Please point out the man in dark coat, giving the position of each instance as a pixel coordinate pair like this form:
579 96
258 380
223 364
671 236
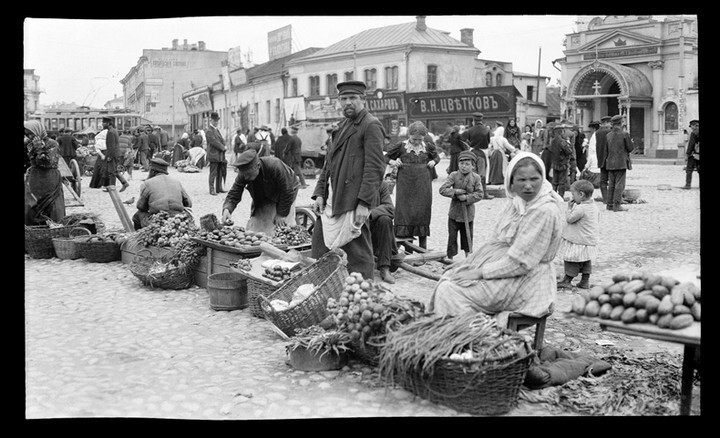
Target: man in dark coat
479 139
159 192
560 153
68 146
216 156
385 247
153 142
143 148
354 168
273 188
692 153
296 151
282 147
617 162
601 152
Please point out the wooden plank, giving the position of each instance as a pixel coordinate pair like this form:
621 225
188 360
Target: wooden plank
120 208
425 257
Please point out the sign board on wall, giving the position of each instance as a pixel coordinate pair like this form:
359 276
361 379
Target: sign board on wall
491 101
294 107
198 102
390 103
280 42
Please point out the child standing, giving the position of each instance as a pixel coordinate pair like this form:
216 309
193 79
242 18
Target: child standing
464 187
578 247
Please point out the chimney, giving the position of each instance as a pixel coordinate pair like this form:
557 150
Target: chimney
466 36
421 23
185 46
201 45
174 44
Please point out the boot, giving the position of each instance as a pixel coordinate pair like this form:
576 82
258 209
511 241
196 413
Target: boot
584 282
688 180
386 275
125 186
603 193
618 207
565 283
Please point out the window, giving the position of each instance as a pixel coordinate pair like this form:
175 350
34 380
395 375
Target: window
391 78
277 109
671 117
432 77
371 79
332 82
294 87
314 85
256 115
488 79
267 112
349 76
530 93
498 80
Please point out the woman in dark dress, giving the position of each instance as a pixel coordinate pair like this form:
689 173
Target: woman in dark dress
415 159
44 197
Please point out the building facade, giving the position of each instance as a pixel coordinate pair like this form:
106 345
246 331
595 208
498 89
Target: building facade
155 85
31 92
644 68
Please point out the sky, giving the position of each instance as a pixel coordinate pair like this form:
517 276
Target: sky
83 60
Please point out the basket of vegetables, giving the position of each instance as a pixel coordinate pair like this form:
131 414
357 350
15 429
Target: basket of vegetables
302 300
466 362
98 248
315 349
171 271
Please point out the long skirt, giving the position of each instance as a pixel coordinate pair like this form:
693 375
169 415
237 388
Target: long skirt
413 205
496 162
104 173
44 196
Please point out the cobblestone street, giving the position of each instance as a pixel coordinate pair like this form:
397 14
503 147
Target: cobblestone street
99 344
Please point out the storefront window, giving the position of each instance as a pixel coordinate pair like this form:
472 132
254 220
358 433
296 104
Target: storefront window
671 117
432 77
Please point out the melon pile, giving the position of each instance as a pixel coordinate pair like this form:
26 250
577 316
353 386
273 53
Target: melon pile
641 297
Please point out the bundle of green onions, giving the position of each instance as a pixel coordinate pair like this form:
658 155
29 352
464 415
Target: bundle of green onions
473 338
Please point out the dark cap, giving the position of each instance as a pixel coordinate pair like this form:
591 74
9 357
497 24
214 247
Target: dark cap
616 119
693 122
214 116
264 127
351 87
108 119
247 160
478 115
605 118
594 123
159 165
467 155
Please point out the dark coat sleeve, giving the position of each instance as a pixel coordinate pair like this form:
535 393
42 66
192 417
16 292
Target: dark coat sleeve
386 207
283 179
234 195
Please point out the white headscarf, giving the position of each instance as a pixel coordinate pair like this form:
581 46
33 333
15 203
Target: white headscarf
506 229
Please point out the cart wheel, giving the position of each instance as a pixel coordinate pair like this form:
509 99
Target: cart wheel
309 163
77 176
305 218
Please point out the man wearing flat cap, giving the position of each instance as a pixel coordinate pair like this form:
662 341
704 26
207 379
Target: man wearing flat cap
348 186
464 188
105 173
159 192
692 153
216 156
273 188
601 152
617 163
478 137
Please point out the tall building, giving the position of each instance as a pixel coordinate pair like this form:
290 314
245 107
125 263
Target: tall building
154 87
642 67
31 92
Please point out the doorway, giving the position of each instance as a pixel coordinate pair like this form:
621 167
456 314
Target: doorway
637 129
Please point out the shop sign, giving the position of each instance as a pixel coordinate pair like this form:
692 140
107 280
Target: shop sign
198 103
489 101
385 104
621 52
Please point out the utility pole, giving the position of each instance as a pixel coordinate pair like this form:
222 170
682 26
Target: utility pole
538 75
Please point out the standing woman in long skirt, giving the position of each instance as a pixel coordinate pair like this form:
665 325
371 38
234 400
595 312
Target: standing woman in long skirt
415 159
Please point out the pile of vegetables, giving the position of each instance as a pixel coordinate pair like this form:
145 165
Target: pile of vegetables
642 297
302 292
166 230
277 270
317 340
292 236
235 236
244 264
367 313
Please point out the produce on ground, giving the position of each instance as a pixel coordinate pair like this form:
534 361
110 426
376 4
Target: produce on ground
292 236
642 297
317 340
165 230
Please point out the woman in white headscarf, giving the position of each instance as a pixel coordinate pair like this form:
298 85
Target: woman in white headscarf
500 151
513 271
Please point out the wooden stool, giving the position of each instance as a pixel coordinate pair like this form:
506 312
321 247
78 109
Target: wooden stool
518 322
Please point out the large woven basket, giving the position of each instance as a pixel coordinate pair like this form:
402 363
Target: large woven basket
178 277
258 288
66 247
328 275
479 387
104 251
38 240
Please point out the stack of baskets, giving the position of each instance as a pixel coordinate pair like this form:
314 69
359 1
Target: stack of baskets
99 249
66 247
158 272
327 274
38 240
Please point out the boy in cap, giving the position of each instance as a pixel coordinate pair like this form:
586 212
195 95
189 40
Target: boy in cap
692 153
216 156
159 192
273 188
464 187
348 186
617 163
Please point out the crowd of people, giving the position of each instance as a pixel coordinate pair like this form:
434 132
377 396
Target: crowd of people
512 271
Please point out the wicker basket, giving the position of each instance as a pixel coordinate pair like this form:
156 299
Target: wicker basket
66 247
258 288
180 277
328 275
38 240
479 387
104 251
